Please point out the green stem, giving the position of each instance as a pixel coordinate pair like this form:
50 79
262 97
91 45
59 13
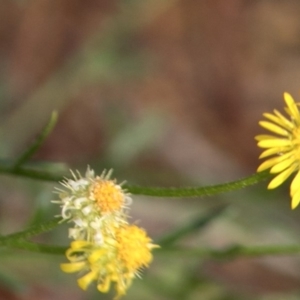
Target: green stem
29 172
18 239
34 247
198 191
234 251
147 191
37 143
204 253
32 231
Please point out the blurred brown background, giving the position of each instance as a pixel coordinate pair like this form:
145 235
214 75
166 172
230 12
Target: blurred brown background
168 93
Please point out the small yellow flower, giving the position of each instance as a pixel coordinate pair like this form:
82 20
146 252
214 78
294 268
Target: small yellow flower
283 148
117 261
92 203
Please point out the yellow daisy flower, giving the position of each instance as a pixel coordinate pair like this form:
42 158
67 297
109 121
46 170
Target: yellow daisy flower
92 203
117 261
283 148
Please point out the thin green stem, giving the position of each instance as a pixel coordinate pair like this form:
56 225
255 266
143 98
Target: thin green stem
204 253
34 247
30 232
198 191
18 240
27 154
234 251
29 172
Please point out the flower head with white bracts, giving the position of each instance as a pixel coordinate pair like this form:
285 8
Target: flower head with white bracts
92 203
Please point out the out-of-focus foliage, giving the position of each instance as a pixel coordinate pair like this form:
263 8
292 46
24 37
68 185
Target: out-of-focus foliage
168 93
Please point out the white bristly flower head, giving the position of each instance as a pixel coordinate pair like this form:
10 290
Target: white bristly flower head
92 203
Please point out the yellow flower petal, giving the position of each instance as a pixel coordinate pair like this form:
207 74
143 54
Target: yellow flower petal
288 124
270 151
292 107
262 137
96 255
274 143
295 185
273 161
274 128
282 165
295 200
72 267
121 289
280 120
78 248
79 244
87 279
279 179
104 286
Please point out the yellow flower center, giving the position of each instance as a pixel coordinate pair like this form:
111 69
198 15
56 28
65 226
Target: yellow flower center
109 196
134 247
